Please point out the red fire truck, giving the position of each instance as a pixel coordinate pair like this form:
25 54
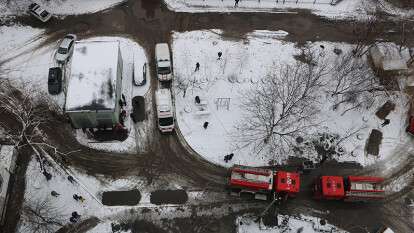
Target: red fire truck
263 183
351 188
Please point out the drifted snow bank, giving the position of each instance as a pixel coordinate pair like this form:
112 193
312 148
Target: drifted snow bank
242 65
57 7
343 9
304 224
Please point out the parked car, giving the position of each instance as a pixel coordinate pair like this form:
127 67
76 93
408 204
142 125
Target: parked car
65 50
163 62
54 81
141 81
39 12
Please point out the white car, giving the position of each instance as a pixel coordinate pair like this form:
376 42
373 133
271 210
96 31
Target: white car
65 49
40 13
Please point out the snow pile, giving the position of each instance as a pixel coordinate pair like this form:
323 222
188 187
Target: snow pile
305 224
57 7
220 84
343 9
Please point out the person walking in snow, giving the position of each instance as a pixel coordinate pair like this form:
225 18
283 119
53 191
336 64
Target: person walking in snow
76 197
47 175
75 215
236 3
205 125
197 67
219 55
386 122
54 193
71 179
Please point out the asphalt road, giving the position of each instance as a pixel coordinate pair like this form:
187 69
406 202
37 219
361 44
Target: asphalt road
149 22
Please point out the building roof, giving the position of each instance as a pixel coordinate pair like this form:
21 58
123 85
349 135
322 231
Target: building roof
333 186
287 182
92 83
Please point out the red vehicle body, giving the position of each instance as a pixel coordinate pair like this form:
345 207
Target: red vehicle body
262 183
410 126
351 188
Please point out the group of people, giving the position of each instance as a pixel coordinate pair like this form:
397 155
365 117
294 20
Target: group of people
75 216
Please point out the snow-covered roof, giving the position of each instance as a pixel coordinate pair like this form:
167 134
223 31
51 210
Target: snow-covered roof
92 83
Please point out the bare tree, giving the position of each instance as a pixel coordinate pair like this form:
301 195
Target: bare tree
41 217
352 77
185 83
27 114
23 113
281 107
365 34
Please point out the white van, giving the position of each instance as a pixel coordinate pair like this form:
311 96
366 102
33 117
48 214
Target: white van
163 62
165 112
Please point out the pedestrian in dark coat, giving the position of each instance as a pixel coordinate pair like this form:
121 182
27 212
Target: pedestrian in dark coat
205 125
386 122
236 3
76 197
197 67
219 55
71 179
75 214
54 193
47 175
73 220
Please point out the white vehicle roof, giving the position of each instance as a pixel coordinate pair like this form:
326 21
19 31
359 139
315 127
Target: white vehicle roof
162 52
92 82
163 100
65 43
388 230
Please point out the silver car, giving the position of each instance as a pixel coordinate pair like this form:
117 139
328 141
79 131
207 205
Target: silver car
65 50
40 13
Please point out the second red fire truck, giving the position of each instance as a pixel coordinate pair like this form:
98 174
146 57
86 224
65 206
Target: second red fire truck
351 188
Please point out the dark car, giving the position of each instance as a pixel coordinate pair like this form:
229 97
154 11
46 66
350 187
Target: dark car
141 81
54 81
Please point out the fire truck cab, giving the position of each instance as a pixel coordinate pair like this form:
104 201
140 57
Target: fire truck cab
351 188
263 183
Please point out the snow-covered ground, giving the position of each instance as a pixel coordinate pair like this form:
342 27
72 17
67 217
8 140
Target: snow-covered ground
344 9
303 224
57 7
242 65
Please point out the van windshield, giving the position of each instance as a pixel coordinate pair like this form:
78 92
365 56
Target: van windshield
164 70
167 121
62 50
